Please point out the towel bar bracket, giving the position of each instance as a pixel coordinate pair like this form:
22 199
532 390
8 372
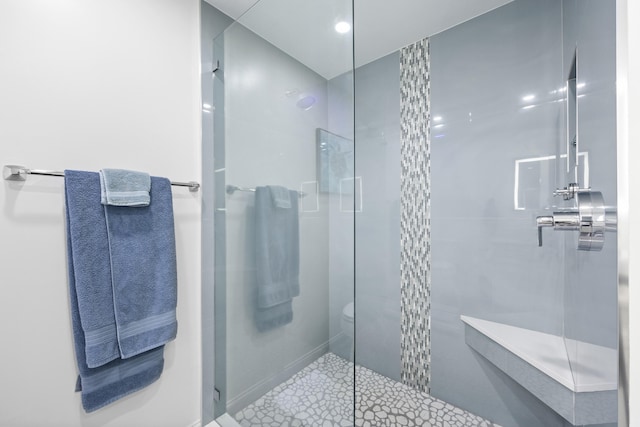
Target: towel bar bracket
13 173
19 173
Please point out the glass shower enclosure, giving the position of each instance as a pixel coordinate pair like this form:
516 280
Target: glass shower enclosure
284 213
422 237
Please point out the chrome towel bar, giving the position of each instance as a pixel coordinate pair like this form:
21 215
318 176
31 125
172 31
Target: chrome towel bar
233 188
19 173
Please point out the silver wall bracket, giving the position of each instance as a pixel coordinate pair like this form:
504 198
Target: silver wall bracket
14 173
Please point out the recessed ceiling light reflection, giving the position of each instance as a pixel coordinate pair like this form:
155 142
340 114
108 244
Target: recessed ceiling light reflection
528 107
439 126
343 27
528 98
437 118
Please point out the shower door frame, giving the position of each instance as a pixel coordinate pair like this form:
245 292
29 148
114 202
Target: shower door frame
622 147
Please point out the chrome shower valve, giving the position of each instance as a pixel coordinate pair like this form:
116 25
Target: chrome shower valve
591 219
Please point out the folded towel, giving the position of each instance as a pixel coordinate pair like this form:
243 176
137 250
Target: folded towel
120 187
143 267
91 302
280 196
277 258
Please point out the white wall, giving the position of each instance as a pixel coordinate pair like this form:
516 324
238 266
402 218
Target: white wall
88 84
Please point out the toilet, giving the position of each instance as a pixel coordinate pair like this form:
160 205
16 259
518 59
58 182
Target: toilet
346 323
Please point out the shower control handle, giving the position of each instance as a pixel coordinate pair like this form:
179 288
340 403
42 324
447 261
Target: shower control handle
543 221
568 220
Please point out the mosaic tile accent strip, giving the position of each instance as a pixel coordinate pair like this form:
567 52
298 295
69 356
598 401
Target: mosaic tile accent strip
322 395
415 223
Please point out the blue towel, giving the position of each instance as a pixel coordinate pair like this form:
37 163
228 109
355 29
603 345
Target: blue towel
280 196
91 302
120 187
277 259
88 252
143 268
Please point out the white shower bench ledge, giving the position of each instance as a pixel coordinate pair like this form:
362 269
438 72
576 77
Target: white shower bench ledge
540 363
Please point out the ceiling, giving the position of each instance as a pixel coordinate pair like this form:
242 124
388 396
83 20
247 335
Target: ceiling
304 28
233 8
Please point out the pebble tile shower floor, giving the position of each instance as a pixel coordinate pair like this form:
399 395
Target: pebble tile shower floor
321 395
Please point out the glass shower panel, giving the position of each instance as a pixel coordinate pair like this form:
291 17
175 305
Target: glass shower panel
457 152
285 200
494 168
549 305
590 312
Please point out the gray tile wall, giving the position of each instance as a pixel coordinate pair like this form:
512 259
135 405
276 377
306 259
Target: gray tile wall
340 93
485 257
377 120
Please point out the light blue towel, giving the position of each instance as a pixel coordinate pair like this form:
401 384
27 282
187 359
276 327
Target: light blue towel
143 268
121 187
91 302
277 259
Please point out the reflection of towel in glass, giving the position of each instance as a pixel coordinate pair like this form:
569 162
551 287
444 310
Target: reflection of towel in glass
280 196
272 317
277 259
